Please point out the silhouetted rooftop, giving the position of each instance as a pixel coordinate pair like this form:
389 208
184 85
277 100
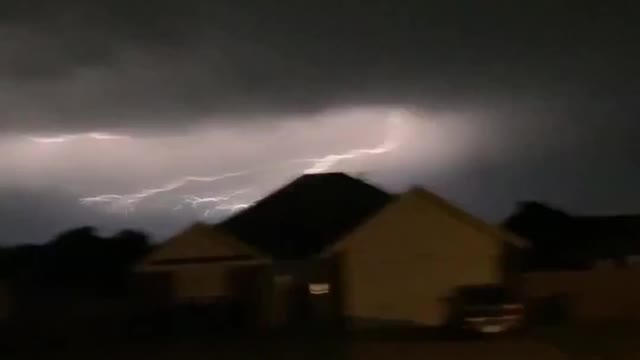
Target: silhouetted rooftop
563 240
307 215
612 236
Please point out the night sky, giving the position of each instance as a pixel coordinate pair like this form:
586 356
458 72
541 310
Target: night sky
190 110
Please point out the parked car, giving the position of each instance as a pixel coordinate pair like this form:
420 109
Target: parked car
490 310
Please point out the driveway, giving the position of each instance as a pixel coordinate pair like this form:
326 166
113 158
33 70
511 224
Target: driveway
476 350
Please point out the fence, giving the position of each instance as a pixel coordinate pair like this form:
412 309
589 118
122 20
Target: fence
594 295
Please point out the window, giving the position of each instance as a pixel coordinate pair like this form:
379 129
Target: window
633 260
319 288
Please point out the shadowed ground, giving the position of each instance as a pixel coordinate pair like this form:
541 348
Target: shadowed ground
300 350
619 341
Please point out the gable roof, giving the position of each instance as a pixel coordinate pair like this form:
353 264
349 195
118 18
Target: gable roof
447 208
463 216
201 243
307 215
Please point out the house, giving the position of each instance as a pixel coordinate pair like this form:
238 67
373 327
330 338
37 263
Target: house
270 248
200 265
404 265
610 239
561 241
305 216
293 225
330 247
579 268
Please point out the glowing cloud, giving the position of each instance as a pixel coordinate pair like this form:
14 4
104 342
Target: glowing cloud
67 138
127 202
228 202
325 163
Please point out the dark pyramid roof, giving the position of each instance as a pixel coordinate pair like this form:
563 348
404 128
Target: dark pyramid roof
307 215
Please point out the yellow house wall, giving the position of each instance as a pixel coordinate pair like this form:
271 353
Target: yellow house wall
403 264
199 241
195 282
200 281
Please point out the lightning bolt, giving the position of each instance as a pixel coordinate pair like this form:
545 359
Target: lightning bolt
326 163
129 201
115 203
218 201
235 207
226 203
194 201
231 208
70 137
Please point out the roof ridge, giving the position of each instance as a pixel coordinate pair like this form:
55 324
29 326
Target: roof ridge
301 209
229 236
298 180
468 217
208 231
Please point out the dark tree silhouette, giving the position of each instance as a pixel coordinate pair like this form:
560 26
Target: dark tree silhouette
76 262
566 241
552 234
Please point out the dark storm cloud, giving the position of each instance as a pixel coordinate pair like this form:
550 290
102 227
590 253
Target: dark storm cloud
122 64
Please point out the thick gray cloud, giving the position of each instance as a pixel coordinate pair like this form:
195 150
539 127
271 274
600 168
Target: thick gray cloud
115 64
515 100
155 181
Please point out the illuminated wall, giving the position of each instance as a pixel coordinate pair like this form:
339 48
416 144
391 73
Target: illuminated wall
401 266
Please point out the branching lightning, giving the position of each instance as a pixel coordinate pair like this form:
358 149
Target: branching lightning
218 202
194 201
230 203
67 138
128 202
